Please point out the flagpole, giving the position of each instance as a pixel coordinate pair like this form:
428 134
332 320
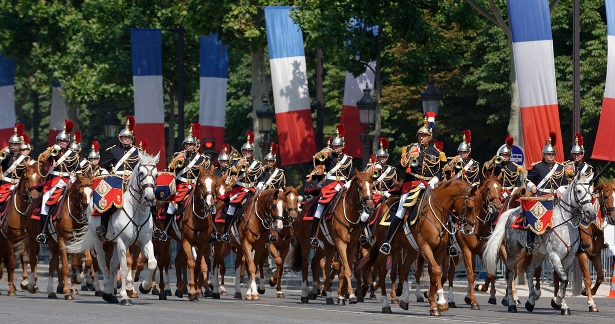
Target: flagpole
576 71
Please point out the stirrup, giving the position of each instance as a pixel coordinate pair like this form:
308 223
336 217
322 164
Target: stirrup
226 238
314 242
41 238
160 235
529 248
101 232
452 251
605 246
385 248
363 240
272 238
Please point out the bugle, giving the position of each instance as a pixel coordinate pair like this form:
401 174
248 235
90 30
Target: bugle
414 162
498 159
458 164
2 155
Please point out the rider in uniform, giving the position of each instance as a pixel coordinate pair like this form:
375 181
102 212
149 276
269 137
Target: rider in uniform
25 148
63 163
75 146
11 162
119 160
423 162
512 173
577 162
546 178
385 177
332 175
186 165
93 160
463 166
247 172
272 177
221 169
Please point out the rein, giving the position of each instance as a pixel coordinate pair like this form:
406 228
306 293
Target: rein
362 201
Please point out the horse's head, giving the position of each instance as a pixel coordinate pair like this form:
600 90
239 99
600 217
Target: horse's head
292 203
83 189
30 179
145 174
277 205
578 196
207 188
606 198
490 193
364 183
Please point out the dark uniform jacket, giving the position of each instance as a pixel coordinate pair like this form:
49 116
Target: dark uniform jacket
66 168
511 174
540 170
386 180
10 159
115 154
278 181
576 168
344 173
470 174
251 176
428 164
184 174
221 172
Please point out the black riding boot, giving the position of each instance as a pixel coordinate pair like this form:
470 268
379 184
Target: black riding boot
42 238
386 246
313 239
364 238
227 225
101 230
530 240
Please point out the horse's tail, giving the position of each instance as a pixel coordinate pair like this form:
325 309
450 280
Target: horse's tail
83 240
522 261
295 256
368 261
490 253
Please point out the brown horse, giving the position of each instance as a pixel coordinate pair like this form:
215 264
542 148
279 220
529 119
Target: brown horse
17 220
429 234
339 233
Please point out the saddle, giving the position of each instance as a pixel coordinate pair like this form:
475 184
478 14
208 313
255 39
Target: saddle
415 203
3 208
328 212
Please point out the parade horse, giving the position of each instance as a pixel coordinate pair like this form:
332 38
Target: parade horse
131 224
558 244
487 204
429 234
264 212
338 233
14 226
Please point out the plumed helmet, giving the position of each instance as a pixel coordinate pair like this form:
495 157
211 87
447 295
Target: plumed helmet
75 146
465 145
506 148
338 140
129 129
95 152
193 136
550 146
578 148
384 148
25 143
428 123
64 135
224 154
273 152
143 145
249 144
18 132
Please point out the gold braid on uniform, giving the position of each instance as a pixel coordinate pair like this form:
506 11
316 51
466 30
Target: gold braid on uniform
177 162
274 183
382 185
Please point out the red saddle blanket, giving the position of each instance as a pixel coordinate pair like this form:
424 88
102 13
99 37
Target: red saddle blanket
310 206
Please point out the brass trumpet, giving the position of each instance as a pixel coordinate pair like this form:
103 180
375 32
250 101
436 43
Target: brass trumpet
414 162
322 155
498 159
179 164
55 150
2 155
458 164
376 173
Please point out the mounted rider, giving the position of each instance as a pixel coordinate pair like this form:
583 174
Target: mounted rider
546 178
272 177
462 166
245 172
423 162
500 164
63 163
25 148
186 165
93 166
75 146
577 162
385 178
11 163
119 160
221 169
332 174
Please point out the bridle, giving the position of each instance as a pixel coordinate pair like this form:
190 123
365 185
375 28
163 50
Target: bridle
489 206
142 186
207 208
606 211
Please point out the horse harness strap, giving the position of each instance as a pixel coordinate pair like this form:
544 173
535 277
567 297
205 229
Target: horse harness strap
410 237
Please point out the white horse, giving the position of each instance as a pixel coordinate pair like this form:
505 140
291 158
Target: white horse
558 244
131 224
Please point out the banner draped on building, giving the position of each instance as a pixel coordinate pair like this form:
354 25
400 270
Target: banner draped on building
147 81
353 91
534 64
603 146
58 113
7 100
290 87
213 82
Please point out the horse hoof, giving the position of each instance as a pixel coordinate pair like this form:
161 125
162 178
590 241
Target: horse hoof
504 302
260 291
475 307
512 308
529 307
179 294
492 301
329 301
143 290
322 293
126 302
52 296
155 291
584 292
372 296
59 290
193 297
452 305
248 297
90 287
271 282
555 306
69 297
341 302
442 307
216 296
106 297
98 293
593 309
420 299
360 299
517 301
312 296
114 300
467 300
305 300
132 294
403 305
168 292
185 290
11 294
208 294
477 287
565 311
426 295
354 300
256 297
224 293
280 294
241 280
35 290
435 312
74 292
237 295
387 310
84 288
23 287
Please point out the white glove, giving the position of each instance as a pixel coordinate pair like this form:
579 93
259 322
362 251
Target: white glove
386 194
104 172
347 184
260 186
433 183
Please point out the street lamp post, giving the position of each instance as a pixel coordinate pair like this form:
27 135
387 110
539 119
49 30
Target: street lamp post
367 109
431 98
112 125
265 115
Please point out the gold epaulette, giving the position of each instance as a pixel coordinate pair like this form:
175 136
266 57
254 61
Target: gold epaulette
442 156
177 153
108 149
533 164
520 169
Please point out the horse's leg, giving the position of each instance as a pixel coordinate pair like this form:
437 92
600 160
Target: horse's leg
279 260
62 249
395 262
147 250
87 268
381 264
53 266
24 256
131 261
187 248
537 275
468 260
598 245
260 256
238 265
10 263
252 293
329 253
346 254
418 273
587 279
490 283
316 267
558 301
120 255
435 284
448 273
33 277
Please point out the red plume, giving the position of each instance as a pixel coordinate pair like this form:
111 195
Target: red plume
553 138
274 148
196 129
509 140
226 148
385 143
20 129
330 140
372 159
69 124
439 145
579 139
26 139
143 145
78 136
131 120
340 129
430 114
468 135
250 136
96 146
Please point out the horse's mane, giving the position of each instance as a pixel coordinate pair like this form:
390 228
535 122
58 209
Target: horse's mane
147 159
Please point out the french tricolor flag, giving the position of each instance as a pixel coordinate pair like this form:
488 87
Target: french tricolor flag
7 99
603 146
58 113
534 64
147 81
290 87
353 91
213 81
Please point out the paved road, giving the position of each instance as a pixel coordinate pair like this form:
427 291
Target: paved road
86 308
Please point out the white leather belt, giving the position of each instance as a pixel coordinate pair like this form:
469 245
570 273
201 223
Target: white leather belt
245 185
186 180
507 188
60 174
122 172
336 178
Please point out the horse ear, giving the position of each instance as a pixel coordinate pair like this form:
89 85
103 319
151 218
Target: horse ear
298 187
499 177
157 158
599 187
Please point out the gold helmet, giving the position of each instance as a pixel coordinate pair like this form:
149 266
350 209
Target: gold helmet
550 146
578 148
338 140
506 148
18 132
465 145
193 136
95 152
384 148
64 135
428 124
129 129
225 153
